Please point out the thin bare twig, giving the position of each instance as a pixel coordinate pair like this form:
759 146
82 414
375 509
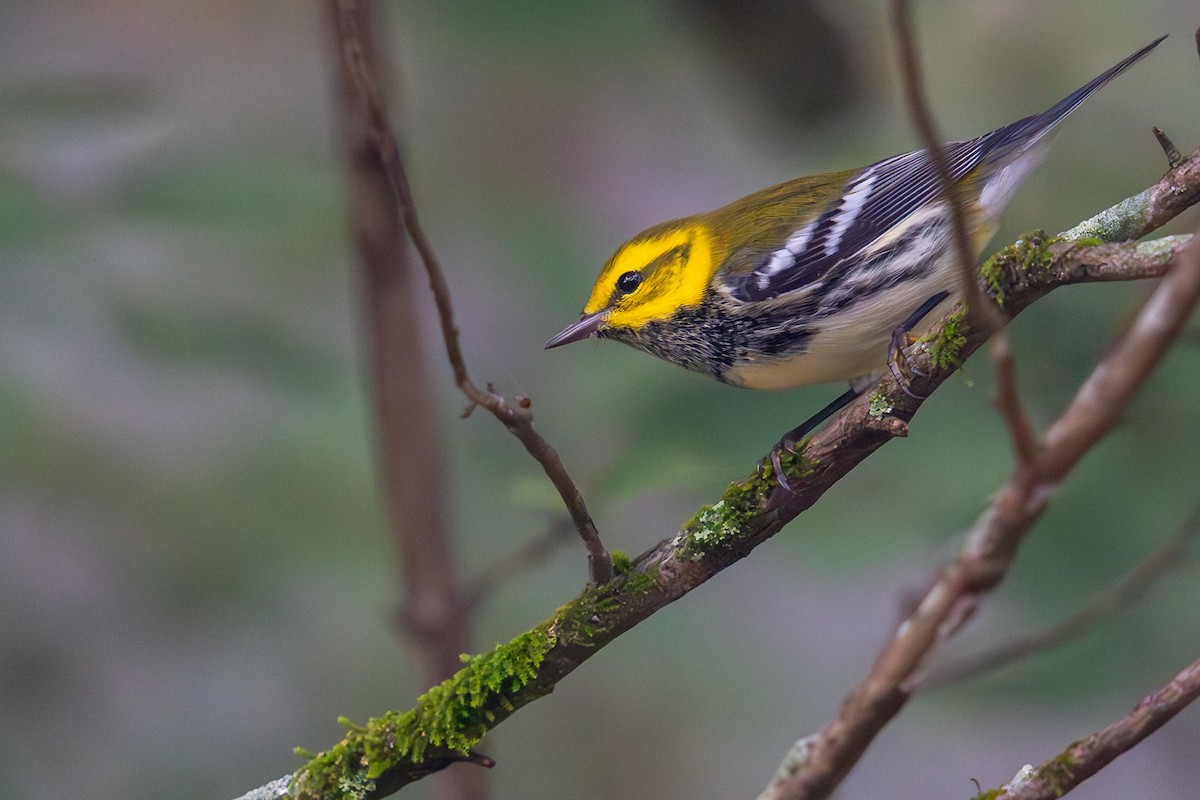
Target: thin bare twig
1089 755
518 420
1008 401
982 312
1174 157
1101 400
1131 586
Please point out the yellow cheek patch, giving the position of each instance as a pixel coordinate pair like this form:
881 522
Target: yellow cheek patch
676 283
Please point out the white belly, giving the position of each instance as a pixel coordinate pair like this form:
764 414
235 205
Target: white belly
848 345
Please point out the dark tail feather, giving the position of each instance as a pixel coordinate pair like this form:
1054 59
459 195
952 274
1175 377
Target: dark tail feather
1028 130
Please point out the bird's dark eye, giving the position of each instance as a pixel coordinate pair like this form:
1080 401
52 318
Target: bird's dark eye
629 281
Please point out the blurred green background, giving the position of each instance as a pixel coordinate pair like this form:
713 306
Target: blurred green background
194 572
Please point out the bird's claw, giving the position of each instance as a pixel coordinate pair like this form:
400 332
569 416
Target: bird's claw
776 458
901 339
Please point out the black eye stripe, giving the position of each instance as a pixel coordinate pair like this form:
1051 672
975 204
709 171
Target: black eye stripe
678 252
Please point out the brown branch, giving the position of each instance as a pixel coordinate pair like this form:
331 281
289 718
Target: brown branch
1088 756
412 467
1125 591
1103 397
1148 211
1008 401
1174 157
982 312
748 513
352 37
992 545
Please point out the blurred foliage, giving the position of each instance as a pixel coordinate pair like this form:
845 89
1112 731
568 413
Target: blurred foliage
194 574
788 52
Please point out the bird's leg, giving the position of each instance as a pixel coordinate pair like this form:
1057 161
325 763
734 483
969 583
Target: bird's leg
900 340
794 436
895 355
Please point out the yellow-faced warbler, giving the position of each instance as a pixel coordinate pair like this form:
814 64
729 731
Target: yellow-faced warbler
808 281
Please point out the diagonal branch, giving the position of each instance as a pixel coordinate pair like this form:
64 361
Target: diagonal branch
352 40
1147 211
1008 401
396 748
1131 586
1089 755
824 759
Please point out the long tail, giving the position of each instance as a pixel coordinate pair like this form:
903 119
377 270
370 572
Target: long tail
1014 150
1027 131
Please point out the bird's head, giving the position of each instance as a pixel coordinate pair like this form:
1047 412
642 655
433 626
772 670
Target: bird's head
653 275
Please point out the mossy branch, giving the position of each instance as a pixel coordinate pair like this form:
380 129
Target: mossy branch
1089 755
447 722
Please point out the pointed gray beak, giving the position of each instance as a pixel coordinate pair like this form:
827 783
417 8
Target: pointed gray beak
576 331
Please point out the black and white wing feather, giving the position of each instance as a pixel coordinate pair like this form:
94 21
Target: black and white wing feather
878 200
875 201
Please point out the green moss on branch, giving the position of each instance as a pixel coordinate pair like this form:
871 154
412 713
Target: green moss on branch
1009 266
452 716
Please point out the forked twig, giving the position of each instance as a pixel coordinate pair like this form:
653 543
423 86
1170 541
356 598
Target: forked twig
518 420
717 536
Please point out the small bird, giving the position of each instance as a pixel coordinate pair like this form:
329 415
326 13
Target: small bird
809 281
